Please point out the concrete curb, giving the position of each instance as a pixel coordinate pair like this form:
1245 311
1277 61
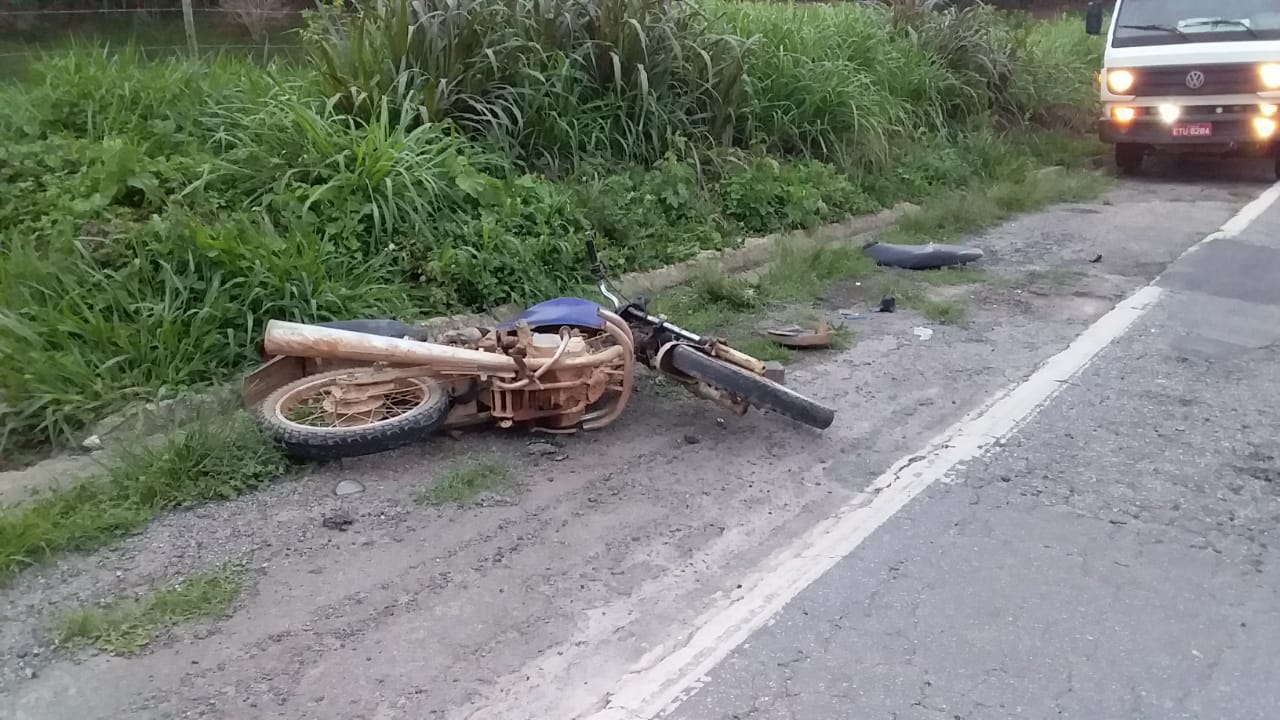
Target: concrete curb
757 251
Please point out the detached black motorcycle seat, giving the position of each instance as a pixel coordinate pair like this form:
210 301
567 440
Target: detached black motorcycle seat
922 257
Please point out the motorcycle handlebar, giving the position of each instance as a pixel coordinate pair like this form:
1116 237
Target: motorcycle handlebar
596 266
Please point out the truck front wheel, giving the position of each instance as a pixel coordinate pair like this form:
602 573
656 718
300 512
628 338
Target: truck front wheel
1129 158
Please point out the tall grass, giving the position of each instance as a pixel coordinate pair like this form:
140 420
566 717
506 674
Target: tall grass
555 81
452 154
559 81
88 333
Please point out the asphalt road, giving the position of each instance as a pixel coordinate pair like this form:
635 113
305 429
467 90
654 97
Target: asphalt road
1114 558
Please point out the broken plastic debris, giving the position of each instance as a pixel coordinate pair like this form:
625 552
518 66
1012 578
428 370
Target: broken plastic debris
542 448
339 520
798 337
923 333
348 487
922 257
774 371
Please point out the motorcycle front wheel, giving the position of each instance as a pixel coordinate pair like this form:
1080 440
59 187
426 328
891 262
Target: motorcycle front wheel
758 391
326 416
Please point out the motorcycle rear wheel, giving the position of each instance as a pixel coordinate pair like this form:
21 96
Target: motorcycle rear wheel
414 409
758 391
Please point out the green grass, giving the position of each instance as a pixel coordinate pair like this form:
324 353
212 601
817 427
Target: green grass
463 482
945 312
126 626
957 213
210 460
762 348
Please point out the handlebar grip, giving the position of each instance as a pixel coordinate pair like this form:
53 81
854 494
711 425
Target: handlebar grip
597 267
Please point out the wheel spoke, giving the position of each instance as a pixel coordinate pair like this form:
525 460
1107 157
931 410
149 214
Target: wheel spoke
312 408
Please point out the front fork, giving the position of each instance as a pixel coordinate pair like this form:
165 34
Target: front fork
653 328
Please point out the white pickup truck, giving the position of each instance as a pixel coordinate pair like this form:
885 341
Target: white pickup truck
1190 76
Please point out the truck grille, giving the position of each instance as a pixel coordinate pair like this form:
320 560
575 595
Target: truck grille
1218 80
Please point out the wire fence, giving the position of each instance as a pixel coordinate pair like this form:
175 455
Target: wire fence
29 28
266 27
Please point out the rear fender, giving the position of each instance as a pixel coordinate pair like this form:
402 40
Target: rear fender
279 371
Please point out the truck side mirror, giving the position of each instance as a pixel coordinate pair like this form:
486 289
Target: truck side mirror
1093 18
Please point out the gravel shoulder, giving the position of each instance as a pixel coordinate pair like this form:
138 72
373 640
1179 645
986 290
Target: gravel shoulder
531 604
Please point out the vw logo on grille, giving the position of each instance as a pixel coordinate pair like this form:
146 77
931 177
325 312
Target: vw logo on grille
1195 79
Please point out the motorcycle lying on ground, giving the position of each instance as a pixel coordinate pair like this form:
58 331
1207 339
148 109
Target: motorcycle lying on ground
350 388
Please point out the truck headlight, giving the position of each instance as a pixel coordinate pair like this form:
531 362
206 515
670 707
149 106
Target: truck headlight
1123 114
1119 81
1270 75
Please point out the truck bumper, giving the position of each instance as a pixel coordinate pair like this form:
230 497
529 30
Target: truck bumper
1225 134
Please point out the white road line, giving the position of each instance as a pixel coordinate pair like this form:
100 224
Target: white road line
659 688
1251 212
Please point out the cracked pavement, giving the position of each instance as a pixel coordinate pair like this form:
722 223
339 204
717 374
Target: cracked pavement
1114 558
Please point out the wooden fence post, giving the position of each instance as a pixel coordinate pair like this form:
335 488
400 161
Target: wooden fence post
189 20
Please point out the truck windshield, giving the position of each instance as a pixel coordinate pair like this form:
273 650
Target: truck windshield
1166 22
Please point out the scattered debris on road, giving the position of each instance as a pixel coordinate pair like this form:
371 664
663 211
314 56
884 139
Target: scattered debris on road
543 448
775 371
888 304
489 498
337 520
795 336
348 487
923 333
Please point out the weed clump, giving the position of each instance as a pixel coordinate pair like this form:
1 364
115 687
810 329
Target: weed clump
465 481
126 626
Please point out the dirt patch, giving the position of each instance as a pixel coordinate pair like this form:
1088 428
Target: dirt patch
534 609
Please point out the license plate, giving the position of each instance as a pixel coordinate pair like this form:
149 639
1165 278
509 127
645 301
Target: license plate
1193 130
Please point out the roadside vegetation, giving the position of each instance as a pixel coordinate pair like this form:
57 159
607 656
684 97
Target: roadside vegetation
465 481
127 625
159 211
212 459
